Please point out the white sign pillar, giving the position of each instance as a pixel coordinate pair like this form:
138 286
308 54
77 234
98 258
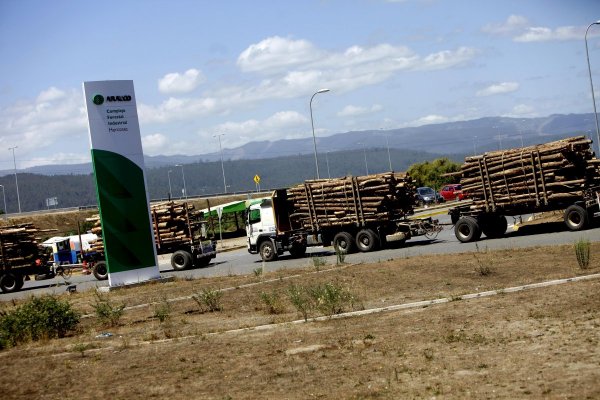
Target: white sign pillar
118 163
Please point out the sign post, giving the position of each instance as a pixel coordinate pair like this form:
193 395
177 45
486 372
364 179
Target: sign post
118 163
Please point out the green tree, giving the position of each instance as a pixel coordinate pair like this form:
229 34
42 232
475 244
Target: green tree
430 173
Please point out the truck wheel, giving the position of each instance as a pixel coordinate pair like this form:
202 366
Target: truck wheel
181 260
495 226
366 240
100 271
467 230
343 243
268 251
576 218
9 282
297 250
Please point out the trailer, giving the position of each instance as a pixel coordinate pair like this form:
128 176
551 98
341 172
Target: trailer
178 229
363 213
20 257
560 175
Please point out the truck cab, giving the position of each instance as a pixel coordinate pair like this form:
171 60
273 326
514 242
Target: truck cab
260 224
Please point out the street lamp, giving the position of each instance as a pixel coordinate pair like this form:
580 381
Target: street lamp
387 142
365 151
183 177
313 127
169 178
222 165
16 180
587 54
4 197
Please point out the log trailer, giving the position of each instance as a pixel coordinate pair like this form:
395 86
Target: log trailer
362 213
20 257
178 229
560 175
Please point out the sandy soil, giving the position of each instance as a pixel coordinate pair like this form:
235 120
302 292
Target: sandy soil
538 343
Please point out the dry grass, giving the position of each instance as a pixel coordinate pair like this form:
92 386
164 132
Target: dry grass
541 343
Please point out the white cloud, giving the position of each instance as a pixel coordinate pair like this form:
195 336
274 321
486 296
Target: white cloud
542 34
281 125
155 143
429 119
521 31
181 83
521 110
498 88
352 111
276 53
514 23
50 95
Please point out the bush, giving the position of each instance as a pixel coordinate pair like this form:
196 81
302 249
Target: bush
272 302
582 252
209 299
43 317
329 299
108 313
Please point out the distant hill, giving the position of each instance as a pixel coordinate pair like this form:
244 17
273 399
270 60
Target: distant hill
447 138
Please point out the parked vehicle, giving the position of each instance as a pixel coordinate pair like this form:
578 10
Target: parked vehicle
353 213
562 175
452 192
427 195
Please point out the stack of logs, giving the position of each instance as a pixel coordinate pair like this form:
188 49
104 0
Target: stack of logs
19 245
335 202
173 223
538 175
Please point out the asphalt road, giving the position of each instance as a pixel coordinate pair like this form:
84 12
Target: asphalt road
241 262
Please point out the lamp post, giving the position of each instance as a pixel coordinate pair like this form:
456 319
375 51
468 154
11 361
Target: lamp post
169 178
16 180
327 160
4 197
365 152
587 54
313 127
387 142
183 177
474 145
222 165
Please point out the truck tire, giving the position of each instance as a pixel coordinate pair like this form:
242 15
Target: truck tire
297 250
9 282
467 230
343 243
576 218
495 226
100 271
181 260
367 240
268 252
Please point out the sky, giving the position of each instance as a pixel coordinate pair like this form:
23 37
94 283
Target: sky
247 70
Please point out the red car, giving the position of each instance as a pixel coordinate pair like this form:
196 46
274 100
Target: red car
452 192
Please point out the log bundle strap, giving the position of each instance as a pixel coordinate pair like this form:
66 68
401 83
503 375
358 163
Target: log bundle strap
323 203
536 175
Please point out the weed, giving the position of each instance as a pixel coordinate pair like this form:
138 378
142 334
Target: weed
162 310
108 313
340 257
40 318
299 298
209 299
330 298
81 348
582 252
258 272
272 302
484 262
318 262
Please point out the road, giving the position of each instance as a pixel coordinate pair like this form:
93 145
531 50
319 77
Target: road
239 261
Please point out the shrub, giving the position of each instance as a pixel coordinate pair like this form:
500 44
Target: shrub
43 317
209 299
272 302
162 310
331 298
582 252
299 298
107 313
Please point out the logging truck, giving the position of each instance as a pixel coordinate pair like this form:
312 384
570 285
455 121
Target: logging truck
560 175
20 257
363 213
178 229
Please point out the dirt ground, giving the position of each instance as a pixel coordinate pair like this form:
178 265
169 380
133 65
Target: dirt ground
537 343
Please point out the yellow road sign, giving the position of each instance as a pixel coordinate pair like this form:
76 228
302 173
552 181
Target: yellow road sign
256 179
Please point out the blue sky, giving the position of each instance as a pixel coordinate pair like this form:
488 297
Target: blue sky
248 69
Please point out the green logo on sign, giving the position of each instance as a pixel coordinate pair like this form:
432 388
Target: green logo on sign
98 99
